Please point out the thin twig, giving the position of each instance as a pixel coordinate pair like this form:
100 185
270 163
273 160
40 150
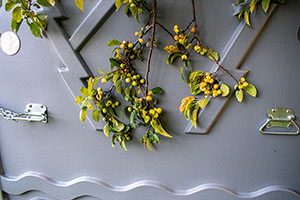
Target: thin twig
151 45
205 47
165 29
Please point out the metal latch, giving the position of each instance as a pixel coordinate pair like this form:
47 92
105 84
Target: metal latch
281 119
34 113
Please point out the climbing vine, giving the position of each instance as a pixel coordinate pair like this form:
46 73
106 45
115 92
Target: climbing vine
142 102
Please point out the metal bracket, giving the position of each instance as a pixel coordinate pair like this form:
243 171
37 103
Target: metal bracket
34 113
280 118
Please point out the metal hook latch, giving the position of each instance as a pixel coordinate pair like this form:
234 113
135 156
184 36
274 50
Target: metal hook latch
280 118
34 113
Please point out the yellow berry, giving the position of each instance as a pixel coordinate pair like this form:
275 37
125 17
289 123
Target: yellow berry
176 27
104 119
245 84
155 115
215 94
104 110
176 37
99 89
197 48
103 80
122 46
193 29
216 86
159 110
142 81
149 98
134 83
219 92
130 45
134 77
207 92
211 80
203 84
132 5
136 33
147 118
241 87
141 40
152 112
117 103
141 99
129 109
207 74
150 93
127 80
243 79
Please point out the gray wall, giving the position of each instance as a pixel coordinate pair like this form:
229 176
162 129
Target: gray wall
46 160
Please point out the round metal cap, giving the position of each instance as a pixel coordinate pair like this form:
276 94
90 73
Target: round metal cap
10 43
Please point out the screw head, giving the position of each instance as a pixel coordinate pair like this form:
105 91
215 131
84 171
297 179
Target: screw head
273 110
289 126
288 111
268 125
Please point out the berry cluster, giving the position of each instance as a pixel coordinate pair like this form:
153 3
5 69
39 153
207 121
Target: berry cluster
210 86
241 84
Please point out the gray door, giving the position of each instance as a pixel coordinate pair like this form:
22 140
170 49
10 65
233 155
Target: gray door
64 159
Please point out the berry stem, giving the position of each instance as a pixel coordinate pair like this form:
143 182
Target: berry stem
151 44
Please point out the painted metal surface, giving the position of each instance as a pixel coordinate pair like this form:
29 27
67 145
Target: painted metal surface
64 159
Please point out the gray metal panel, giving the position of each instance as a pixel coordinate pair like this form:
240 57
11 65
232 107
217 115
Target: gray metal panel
234 154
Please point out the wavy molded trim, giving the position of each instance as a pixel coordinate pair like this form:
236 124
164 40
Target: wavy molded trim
30 181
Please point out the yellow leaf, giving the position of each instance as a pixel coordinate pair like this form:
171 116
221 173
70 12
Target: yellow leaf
79 4
195 113
148 144
100 71
118 4
252 5
155 123
239 95
247 17
90 86
184 103
203 102
52 2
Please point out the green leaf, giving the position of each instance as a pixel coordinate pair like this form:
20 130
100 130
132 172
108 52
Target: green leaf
188 109
250 89
112 43
212 55
119 87
225 90
136 16
118 4
123 144
9 5
239 95
96 115
127 9
35 29
106 131
132 114
168 58
247 18
111 111
174 56
82 114
195 88
182 77
0 3
121 113
16 13
265 4
90 86
84 91
114 62
46 3
41 20
95 81
15 25
195 114
155 138
79 4
157 90
79 99
118 126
